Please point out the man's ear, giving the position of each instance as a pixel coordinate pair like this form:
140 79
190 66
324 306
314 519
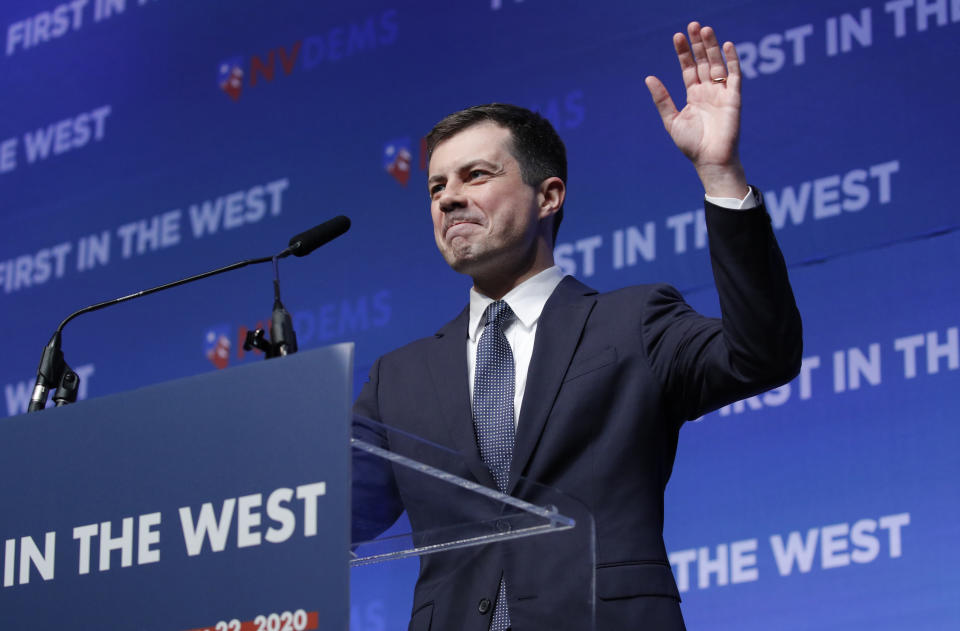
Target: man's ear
550 195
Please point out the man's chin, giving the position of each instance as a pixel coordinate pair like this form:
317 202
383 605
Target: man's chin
462 265
467 261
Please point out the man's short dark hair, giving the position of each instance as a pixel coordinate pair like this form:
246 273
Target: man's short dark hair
536 145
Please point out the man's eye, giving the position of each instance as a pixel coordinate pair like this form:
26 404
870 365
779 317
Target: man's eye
477 173
436 188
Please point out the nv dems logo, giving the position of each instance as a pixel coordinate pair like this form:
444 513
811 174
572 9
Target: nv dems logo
398 158
230 77
216 345
338 43
340 319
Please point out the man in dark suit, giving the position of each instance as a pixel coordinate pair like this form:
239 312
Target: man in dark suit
544 379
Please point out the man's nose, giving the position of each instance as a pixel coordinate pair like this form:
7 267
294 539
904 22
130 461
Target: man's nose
452 198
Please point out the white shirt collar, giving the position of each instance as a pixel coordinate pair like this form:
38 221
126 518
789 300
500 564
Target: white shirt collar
526 300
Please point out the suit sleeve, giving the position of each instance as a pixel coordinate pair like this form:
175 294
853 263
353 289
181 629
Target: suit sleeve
376 501
705 363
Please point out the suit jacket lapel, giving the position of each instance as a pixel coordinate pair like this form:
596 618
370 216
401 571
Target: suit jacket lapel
558 333
448 369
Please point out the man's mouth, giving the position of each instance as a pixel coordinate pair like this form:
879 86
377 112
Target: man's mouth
455 226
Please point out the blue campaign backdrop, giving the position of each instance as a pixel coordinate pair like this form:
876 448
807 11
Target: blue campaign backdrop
146 140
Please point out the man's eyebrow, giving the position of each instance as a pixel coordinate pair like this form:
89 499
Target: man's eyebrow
466 166
477 162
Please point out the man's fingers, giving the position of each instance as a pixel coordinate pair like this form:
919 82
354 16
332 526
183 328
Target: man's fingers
699 52
688 66
661 98
714 58
733 65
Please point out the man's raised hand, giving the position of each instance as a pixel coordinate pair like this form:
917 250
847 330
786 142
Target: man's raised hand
707 129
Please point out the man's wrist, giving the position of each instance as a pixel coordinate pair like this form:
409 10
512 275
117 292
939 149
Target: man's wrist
724 181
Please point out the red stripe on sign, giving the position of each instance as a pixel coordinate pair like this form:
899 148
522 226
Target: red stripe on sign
313 622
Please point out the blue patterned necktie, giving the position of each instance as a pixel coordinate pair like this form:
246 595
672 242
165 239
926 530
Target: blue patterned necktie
493 390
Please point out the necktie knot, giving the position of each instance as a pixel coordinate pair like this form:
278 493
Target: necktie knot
498 314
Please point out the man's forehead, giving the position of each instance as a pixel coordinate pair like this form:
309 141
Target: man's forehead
483 141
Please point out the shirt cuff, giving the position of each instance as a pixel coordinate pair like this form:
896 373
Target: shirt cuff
732 203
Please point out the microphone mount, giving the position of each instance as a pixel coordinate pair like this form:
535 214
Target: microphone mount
283 339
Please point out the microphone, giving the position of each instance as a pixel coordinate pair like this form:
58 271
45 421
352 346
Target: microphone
53 371
283 339
308 241
49 373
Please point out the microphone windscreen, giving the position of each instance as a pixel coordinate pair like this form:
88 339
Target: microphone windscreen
308 241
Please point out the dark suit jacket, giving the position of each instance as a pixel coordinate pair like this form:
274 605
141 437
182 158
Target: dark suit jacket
612 378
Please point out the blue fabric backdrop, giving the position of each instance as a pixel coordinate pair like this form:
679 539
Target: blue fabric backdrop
145 140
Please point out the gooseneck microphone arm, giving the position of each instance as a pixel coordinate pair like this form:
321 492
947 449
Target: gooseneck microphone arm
176 283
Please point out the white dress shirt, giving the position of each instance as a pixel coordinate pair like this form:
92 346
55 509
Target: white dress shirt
527 301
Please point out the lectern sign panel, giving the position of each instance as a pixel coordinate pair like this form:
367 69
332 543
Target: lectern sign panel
214 502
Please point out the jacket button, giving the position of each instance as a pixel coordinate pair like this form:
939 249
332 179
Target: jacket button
483 606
